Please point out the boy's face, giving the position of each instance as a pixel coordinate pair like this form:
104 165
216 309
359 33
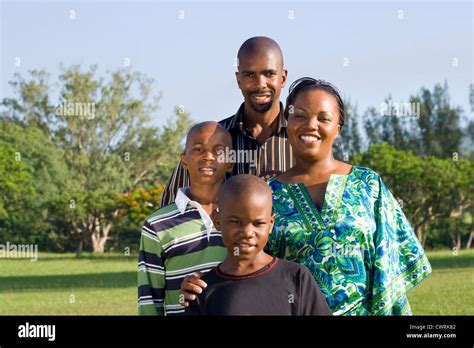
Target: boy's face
201 156
245 224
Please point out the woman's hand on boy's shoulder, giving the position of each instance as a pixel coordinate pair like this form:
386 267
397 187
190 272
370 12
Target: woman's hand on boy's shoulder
191 286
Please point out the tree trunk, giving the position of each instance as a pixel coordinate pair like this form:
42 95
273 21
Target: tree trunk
97 238
419 233
458 240
98 230
469 241
80 247
100 234
98 244
423 242
80 237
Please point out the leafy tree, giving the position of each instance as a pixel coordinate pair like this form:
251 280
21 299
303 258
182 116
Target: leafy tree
135 207
32 104
428 189
428 125
34 217
15 181
101 125
140 203
439 123
349 141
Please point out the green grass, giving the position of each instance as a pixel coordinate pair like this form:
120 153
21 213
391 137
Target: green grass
449 290
60 284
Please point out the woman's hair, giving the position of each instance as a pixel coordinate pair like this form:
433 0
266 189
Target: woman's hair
308 83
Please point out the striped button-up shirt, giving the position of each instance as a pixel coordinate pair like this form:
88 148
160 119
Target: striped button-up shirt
252 158
177 240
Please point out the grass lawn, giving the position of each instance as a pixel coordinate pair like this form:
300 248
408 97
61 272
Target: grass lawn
60 284
449 290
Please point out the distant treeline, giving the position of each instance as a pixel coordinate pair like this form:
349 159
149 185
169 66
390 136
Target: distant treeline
82 172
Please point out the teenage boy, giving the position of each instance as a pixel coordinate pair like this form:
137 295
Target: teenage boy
180 238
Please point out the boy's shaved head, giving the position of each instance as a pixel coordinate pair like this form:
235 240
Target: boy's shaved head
259 45
208 126
239 187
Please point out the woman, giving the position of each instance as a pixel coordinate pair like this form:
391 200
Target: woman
339 220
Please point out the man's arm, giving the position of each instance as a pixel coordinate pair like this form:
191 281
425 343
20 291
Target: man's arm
179 178
151 274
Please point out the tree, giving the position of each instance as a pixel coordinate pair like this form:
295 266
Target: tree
32 104
349 141
428 189
109 148
135 207
439 123
33 219
428 125
470 140
15 182
140 203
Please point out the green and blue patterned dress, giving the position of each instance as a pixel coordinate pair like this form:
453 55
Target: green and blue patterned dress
360 247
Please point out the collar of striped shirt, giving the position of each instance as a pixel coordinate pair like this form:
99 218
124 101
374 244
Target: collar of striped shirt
182 201
238 119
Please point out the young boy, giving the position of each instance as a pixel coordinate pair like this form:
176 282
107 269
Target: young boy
180 239
249 281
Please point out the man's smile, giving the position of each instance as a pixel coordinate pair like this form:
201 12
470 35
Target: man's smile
262 97
207 170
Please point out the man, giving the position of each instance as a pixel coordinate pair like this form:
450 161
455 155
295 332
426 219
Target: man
259 126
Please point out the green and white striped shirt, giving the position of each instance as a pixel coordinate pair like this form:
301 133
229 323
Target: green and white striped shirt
177 240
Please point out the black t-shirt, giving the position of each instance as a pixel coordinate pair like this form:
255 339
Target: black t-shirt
280 288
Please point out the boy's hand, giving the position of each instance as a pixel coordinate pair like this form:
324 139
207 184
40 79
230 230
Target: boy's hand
190 286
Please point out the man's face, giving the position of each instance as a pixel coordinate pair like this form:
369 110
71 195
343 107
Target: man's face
200 157
245 225
261 78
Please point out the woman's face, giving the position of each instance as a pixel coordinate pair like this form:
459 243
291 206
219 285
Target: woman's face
313 124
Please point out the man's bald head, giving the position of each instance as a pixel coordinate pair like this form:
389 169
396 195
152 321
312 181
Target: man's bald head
260 45
241 187
211 127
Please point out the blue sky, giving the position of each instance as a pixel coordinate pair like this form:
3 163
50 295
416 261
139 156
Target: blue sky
192 59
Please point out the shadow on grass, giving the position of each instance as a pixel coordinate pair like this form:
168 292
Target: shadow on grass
88 280
451 261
